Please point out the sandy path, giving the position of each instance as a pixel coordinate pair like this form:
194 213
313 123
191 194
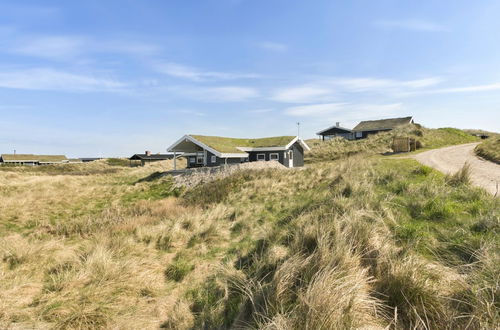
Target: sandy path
450 159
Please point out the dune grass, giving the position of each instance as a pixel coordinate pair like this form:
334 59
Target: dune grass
360 242
490 149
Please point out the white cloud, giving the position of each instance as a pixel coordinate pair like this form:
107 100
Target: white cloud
273 46
263 110
326 89
368 84
69 47
314 109
217 94
49 79
477 88
194 74
51 47
344 110
301 94
412 25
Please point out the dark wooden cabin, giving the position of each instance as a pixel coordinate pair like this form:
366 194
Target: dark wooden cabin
367 127
148 157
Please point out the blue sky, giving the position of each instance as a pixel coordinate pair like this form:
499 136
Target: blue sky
112 78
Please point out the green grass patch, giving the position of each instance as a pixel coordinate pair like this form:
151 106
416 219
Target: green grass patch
153 191
178 269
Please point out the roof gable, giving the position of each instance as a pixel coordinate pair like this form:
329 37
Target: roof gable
334 129
374 125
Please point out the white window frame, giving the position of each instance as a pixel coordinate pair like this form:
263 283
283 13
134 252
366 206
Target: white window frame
258 155
192 160
213 159
359 134
290 154
274 154
200 159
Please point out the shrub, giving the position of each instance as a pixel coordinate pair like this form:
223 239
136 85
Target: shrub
461 177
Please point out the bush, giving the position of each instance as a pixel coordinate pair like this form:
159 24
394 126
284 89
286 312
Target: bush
461 177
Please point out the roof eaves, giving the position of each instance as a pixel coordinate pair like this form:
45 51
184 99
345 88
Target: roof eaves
329 128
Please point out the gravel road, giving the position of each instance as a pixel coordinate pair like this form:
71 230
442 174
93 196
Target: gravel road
449 160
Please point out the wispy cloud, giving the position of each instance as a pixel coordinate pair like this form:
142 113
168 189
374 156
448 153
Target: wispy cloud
344 109
50 47
328 89
195 74
50 79
259 111
468 89
273 46
412 25
70 47
302 94
314 109
366 84
192 112
216 94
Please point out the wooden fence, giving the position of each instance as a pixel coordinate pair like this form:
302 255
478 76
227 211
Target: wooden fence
404 144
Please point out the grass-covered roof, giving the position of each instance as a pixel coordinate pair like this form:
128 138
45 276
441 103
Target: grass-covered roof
230 145
39 158
373 125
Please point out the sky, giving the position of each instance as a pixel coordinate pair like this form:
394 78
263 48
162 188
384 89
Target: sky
117 77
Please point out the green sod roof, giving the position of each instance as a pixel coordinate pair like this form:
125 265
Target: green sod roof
39 158
229 145
373 125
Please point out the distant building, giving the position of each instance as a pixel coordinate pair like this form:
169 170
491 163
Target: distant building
336 131
367 127
89 159
148 157
32 160
215 151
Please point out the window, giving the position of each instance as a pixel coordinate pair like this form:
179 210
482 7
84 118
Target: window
274 156
192 160
213 159
199 159
359 134
261 156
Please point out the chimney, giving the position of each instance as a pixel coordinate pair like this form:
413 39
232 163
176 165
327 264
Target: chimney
337 124
148 153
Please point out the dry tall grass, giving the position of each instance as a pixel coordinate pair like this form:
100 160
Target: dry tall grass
357 243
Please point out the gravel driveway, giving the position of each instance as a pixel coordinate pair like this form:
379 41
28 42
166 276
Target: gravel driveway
450 159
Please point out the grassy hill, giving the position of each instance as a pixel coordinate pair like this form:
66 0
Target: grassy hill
380 143
356 242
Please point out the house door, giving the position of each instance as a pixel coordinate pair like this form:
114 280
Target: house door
290 158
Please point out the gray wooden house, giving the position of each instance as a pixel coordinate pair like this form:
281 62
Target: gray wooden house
367 127
203 150
336 131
